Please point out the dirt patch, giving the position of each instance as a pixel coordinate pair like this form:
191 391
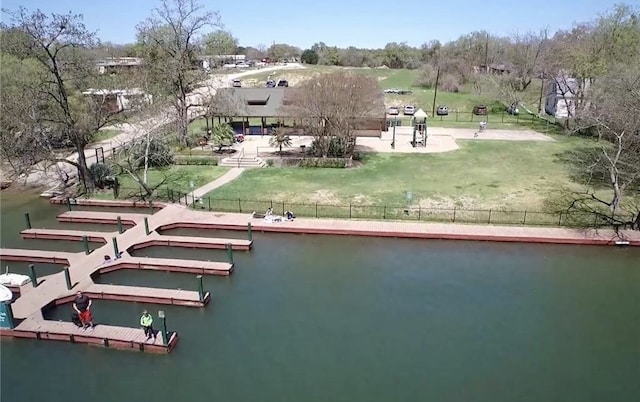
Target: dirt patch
325 197
361 199
450 203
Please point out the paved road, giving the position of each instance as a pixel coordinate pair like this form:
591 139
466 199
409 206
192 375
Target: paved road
51 178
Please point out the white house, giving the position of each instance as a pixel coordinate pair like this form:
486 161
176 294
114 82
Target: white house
562 96
114 101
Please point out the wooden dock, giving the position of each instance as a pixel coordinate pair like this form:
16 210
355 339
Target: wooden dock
108 218
72 235
174 297
101 335
169 265
194 242
36 256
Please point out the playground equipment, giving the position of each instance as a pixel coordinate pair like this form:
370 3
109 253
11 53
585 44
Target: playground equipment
419 122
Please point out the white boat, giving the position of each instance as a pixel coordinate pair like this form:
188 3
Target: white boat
8 279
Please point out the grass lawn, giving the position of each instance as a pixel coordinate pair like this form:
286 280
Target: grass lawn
482 174
180 178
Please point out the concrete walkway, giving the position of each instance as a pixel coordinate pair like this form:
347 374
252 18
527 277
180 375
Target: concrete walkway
200 192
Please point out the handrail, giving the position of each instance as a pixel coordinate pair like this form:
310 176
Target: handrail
240 156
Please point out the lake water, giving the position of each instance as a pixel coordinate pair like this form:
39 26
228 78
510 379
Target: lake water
322 318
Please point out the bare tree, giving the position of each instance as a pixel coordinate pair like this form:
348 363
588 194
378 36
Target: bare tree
147 150
330 106
56 112
170 40
614 165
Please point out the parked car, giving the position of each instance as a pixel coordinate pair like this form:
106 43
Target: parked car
409 110
513 109
480 110
394 111
391 91
271 84
442 110
283 83
404 92
236 83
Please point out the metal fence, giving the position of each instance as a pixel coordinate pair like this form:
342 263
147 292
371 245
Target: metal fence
379 212
532 120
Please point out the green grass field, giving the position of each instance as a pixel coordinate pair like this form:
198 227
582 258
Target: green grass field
481 174
180 178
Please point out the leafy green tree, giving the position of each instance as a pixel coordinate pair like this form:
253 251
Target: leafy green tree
222 135
309 57
48 96
280 139
220 43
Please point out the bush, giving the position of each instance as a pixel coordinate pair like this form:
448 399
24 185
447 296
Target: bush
160 154
323 163
188 160
426 76
449 83
100 173
338 147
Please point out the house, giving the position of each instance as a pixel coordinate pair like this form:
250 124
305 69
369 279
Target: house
114 101
562 96
114 65
251 104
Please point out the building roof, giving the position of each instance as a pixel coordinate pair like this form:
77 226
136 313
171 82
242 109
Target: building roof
120 61
268 102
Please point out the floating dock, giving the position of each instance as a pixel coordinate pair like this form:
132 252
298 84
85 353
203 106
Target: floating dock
104 218
101 335
79 268
71 235
169 265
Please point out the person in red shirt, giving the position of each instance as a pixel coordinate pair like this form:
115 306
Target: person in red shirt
82 306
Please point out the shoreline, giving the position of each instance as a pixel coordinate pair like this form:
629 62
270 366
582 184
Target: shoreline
187 218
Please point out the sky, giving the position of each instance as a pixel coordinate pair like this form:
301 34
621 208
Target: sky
367 24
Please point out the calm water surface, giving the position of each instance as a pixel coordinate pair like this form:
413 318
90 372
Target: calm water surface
311 318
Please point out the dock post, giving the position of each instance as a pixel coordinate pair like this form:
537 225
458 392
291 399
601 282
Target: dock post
200 288
249 233
229 253
163 320
68 203
119 221
67 277
115 246
146 226
32 274
27 220
85 243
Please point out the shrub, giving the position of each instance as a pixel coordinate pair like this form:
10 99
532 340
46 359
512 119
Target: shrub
188 160
323 163
270 162
426 76
449 83
100 173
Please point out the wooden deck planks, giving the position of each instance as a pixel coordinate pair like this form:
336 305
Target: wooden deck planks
142 294
63 328
57 234
194 242
101 217
18 254
178 265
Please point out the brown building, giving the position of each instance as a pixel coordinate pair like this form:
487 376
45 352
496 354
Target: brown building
261 109
114 101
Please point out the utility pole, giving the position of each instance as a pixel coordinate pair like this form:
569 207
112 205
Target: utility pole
435 93
541 94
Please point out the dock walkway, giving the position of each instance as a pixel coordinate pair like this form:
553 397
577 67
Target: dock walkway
101 335
139 294
108 218
61 234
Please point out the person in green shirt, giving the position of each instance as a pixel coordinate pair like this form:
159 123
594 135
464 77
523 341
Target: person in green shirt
146 322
